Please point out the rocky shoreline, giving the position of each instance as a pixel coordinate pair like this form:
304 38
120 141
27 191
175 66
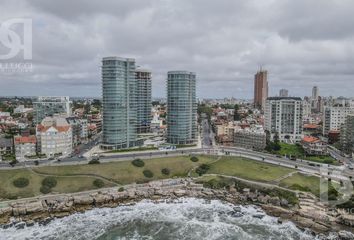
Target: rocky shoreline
309 214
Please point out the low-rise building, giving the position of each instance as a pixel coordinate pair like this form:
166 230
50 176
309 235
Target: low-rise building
79 129
314 146
25 146
22 109
252 138
6 146
54 136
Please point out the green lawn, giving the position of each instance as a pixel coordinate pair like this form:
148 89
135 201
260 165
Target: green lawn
80 177
248 169
64 184
302 182
124 172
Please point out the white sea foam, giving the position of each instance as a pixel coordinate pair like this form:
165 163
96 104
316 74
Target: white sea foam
187 219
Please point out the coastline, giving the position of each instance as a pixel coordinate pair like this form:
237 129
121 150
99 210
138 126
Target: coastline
46 208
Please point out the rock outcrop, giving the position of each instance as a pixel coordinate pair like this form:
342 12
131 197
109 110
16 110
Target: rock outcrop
308 214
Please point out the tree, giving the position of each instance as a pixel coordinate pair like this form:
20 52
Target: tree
276 138
21 182
194 159
30 117
165 171
148 173
202 169
138 162
45 189
98 183
49 181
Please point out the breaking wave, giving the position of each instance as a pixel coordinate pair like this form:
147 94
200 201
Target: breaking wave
186 218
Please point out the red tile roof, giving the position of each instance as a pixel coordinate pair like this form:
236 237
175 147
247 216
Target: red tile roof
29 139
311 126
42 128
310 139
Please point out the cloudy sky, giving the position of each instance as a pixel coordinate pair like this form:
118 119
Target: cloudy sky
300 42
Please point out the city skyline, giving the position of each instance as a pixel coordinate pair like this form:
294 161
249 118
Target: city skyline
225 58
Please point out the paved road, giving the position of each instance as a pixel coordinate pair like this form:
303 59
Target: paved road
337 172
207 134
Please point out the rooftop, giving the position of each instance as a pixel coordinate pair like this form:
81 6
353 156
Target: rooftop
285 98
29 139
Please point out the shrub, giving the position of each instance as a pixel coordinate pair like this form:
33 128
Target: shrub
148 173
13 162
49 182
94 161
121 189
328 161
21 182
98 183
138 162
36 162
194 159
202 169
300 188
165 171
215 184
45 189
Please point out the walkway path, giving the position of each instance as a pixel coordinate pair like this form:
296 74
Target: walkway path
73 176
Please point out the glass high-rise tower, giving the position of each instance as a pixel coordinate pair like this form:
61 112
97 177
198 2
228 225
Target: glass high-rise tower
119 93
181 107
143 78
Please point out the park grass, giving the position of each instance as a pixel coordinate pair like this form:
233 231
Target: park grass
64 184
305 183
124 172
248 169
76 178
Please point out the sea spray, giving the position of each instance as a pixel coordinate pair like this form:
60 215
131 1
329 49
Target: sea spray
187 218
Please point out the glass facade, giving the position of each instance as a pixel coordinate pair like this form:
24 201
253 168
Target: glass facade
143 78
119 93
181 107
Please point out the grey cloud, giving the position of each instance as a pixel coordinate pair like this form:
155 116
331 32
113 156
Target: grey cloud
301 43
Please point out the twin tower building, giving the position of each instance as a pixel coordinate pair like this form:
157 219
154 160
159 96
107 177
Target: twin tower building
126 93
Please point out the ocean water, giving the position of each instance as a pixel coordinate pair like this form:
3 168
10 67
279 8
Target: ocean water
186 218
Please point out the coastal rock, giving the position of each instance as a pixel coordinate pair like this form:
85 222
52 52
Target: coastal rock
278 211
5 214
34 207
131 193
344 235
179 192
83 200
63 205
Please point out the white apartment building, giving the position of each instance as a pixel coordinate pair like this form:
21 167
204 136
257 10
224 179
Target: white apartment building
334 117
251 138
49 106
24 146
54 136
283 116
